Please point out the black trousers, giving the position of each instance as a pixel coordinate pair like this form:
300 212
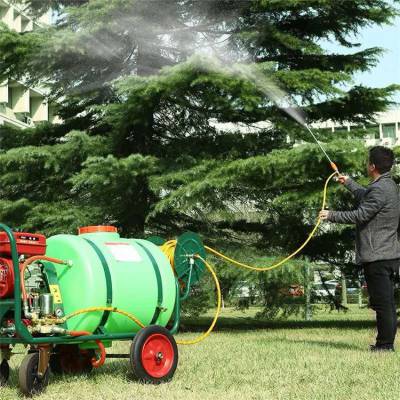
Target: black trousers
380 277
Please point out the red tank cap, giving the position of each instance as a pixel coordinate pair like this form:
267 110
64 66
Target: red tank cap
97 228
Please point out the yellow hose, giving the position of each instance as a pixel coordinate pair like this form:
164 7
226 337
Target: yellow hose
219 298
310 236
169 249
111 309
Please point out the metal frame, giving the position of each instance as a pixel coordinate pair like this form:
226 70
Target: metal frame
25 337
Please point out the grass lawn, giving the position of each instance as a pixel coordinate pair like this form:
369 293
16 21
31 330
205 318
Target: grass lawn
326 358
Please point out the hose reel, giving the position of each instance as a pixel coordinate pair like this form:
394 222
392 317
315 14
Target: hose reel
189 269
186 255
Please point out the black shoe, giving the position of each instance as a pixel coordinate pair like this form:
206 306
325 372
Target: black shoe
381 347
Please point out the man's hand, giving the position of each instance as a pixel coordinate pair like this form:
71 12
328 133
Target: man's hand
324 214
342 179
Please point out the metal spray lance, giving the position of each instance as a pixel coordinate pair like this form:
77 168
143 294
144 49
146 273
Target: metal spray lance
333 165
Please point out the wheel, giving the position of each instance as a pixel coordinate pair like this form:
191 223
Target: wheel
4 372
70 359
154 355
29 381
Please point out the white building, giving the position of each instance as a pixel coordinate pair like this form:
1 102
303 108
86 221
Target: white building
385 132
22 106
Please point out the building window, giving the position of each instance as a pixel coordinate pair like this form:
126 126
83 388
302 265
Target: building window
372 132
389 131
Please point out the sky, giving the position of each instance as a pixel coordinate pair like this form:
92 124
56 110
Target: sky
388 69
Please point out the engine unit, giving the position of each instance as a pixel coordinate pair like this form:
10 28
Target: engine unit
28 244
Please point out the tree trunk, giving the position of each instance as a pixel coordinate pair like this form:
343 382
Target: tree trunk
344 291
307 291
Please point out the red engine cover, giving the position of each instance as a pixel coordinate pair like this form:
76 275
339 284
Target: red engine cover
29 244
6 278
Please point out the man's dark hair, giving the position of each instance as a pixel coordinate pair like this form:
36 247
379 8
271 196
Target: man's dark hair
382 158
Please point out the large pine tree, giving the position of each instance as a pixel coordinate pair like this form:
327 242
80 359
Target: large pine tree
141 145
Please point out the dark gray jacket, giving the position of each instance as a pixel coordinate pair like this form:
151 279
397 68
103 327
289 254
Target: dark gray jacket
376 219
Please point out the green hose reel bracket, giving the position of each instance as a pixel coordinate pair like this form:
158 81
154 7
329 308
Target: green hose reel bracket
189 268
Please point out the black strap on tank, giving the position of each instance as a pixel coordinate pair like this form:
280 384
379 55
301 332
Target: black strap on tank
159 284
107 275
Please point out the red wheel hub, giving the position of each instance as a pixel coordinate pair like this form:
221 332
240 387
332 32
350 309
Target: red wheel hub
157 355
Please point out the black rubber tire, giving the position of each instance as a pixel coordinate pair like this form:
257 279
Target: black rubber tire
70 359
4 372
136 355
29 382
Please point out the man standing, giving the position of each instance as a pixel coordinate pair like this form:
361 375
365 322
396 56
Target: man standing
377 242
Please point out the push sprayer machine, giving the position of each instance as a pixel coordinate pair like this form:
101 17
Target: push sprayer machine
68 297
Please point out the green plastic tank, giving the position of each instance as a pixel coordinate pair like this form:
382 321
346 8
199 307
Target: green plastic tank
132 275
